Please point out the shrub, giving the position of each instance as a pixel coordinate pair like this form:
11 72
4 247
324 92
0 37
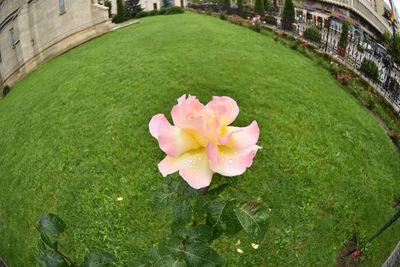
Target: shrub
222 16
255 24
271 20
227 4
153 12
142 14
174 10
312 34
162 11
6 90
370 69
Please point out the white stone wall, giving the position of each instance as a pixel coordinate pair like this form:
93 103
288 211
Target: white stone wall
43 32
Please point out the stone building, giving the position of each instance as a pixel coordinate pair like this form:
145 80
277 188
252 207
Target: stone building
34 31
363 14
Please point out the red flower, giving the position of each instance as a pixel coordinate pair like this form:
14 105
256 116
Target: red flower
356 253
360 89
349 78
334 67
301 45
397 136
389 133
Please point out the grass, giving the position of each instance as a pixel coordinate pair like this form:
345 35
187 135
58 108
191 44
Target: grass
74 138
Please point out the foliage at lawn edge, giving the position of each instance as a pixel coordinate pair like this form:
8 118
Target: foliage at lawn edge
199 217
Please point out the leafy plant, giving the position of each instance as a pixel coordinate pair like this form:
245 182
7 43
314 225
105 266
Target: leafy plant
370 69
271 20
50 228
312 34
222 16
162 11
255 24
199 217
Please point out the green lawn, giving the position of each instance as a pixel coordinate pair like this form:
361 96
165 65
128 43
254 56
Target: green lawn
74 137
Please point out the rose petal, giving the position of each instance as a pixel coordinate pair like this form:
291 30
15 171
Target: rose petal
172 140
225 109
243 137
186 110
232 162
192 166
212 151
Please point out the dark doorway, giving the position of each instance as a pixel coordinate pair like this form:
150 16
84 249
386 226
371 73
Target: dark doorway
182 4
155 6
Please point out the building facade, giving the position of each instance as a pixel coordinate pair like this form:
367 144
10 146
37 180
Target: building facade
34 31
366 15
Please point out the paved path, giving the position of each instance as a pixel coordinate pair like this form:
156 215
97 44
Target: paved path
122 25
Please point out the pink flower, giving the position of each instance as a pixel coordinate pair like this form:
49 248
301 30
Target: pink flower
390 134
397 136
349 78
333 67
294 24
330 52
301 33
201 143
301 45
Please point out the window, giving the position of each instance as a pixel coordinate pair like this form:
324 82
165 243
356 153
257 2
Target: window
62 6
0 57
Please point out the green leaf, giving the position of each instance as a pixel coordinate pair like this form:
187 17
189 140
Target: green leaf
200 207
198 254
48 240
201 232
181 212
102 259
171 246
253 218
51 258
221 214
215 192
169 261
52 224
163 198
139 261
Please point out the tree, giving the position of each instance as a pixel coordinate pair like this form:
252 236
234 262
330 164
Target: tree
288 15
259 7
165 3
344 39
120 17
109 5
132 7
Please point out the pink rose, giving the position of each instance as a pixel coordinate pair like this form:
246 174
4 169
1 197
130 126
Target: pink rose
201 143
301 33
390 134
